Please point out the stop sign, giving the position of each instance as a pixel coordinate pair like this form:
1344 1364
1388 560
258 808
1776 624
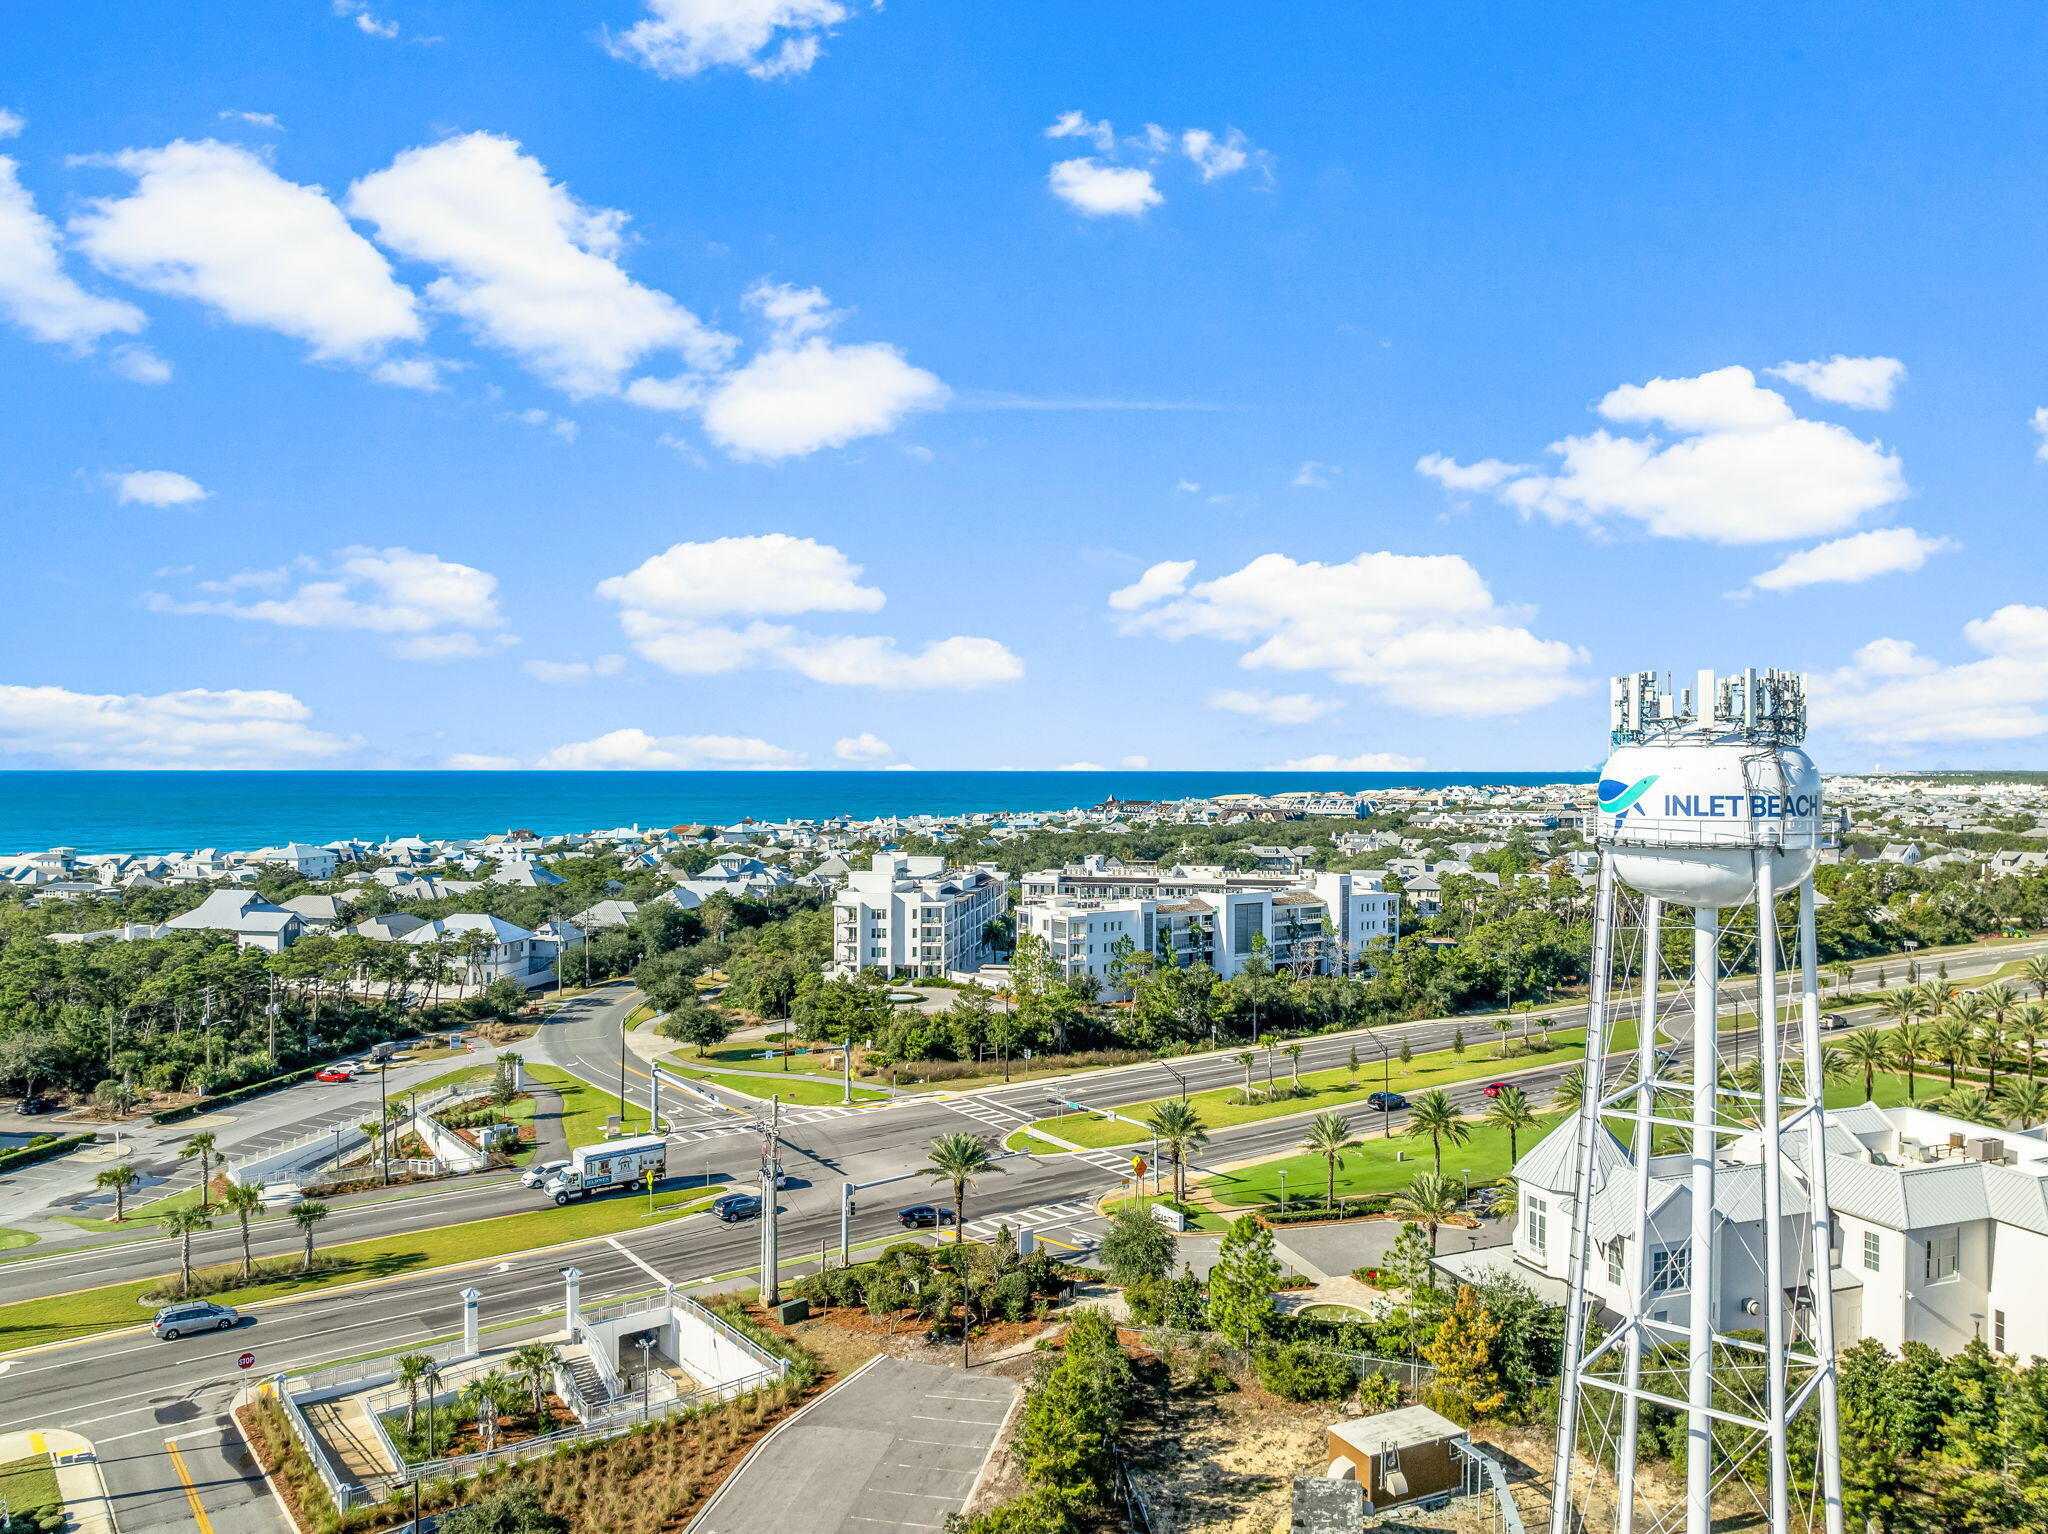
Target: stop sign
245 1361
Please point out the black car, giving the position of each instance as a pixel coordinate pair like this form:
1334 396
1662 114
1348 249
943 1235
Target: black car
924 1216
735 1207
1386 1102
36 1105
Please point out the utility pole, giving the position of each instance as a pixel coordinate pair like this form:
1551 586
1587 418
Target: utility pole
384 1118
848 1066
771 1290
845 1223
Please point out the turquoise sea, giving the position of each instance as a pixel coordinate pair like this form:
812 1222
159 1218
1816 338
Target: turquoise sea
179 811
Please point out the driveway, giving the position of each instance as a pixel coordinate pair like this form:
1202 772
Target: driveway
897 1446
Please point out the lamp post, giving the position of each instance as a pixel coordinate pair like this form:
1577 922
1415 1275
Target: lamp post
1283 1190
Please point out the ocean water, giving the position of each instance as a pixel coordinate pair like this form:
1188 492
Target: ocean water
180 811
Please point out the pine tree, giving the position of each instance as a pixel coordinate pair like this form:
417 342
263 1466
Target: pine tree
1465 1387
1458 1041
1915 1398
1242 1282
1407 1261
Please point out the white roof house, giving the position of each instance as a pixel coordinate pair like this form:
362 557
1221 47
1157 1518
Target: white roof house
254 921
511 952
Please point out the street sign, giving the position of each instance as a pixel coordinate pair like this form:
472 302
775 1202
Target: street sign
246 1361
1137 1166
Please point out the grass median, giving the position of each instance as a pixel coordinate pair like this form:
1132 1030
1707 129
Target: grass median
1376 1166
83 1312
1323 1090
804 1091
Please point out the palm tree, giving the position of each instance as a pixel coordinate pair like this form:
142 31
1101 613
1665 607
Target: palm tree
1845 975
307 1215
1429 1200
535 1363
1294 1060
1989 1041
241 1200
413 1369
185 1223
2034 971
202 1148
120 1178
2025 1100
480 1398
1178 1127
1435 1115
1868 1052
1971 1106
1951 1039
1244 1058
1909 1042
1570 1090
959 1159
2029 1023
1510 1111
1329 1137
1899 1006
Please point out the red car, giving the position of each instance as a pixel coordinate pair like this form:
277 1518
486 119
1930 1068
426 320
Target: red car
341 1072
1495 1088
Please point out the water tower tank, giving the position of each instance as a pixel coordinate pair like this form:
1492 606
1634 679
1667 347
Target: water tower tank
1696 795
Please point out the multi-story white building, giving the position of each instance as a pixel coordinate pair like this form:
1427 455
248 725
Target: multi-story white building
914 917
1323 924
1941 1229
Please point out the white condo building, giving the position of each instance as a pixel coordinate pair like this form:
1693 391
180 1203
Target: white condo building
914 917
1941 1229
1316 921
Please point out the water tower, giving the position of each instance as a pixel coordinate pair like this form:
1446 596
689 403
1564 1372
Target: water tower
1707 1241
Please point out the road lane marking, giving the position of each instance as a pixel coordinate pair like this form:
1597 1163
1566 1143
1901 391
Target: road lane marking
634 1258
191 1491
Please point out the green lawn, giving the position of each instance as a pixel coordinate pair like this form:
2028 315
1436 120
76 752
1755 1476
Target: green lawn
749 1057
1373 1167
1327 1089
56 1318
11 1238
584 1107
806 1091
29 1483
1025 1140
1202 1219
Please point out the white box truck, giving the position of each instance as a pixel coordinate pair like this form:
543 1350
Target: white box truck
609 1167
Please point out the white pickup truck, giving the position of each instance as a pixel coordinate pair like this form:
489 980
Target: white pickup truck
608 1168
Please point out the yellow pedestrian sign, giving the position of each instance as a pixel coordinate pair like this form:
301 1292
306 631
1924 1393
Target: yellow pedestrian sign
1138 1167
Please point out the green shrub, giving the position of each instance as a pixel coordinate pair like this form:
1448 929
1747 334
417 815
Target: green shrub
1298 1372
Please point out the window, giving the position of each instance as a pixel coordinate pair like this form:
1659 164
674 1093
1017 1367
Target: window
1872 1247
1537 1227
1998 1331
1944 1254
1614 1262
1670 1270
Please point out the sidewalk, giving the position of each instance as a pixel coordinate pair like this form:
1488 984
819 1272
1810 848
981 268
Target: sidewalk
77 1468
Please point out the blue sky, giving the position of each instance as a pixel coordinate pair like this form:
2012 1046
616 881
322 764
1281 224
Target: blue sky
669 383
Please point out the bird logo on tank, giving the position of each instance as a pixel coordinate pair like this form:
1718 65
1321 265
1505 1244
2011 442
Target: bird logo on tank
1617 798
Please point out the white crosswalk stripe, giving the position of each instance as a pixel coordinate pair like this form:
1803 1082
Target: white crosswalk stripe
1039 1216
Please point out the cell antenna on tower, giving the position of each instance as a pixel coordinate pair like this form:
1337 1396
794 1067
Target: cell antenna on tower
1700 1232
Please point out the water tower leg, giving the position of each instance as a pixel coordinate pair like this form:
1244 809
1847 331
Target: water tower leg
1706 1092
1643 1106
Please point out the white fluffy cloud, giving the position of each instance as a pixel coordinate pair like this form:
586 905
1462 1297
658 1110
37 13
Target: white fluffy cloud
1368 761
157 487
1859 557
366 21
769 39
193 728
11 123
435 609
36 293
2039 421
212 222
1122 182
1089 186
638 751
1315 476
1891 694
1744 469
532 270
676 609
1867 383
864 747
471 761
1274 708
803 391
1420 631
564 673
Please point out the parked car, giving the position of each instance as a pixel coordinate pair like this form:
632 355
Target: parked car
1386 1102
924 1216
341 1070
540 1172
175 1321
1495 1088
735 1207
36 1105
